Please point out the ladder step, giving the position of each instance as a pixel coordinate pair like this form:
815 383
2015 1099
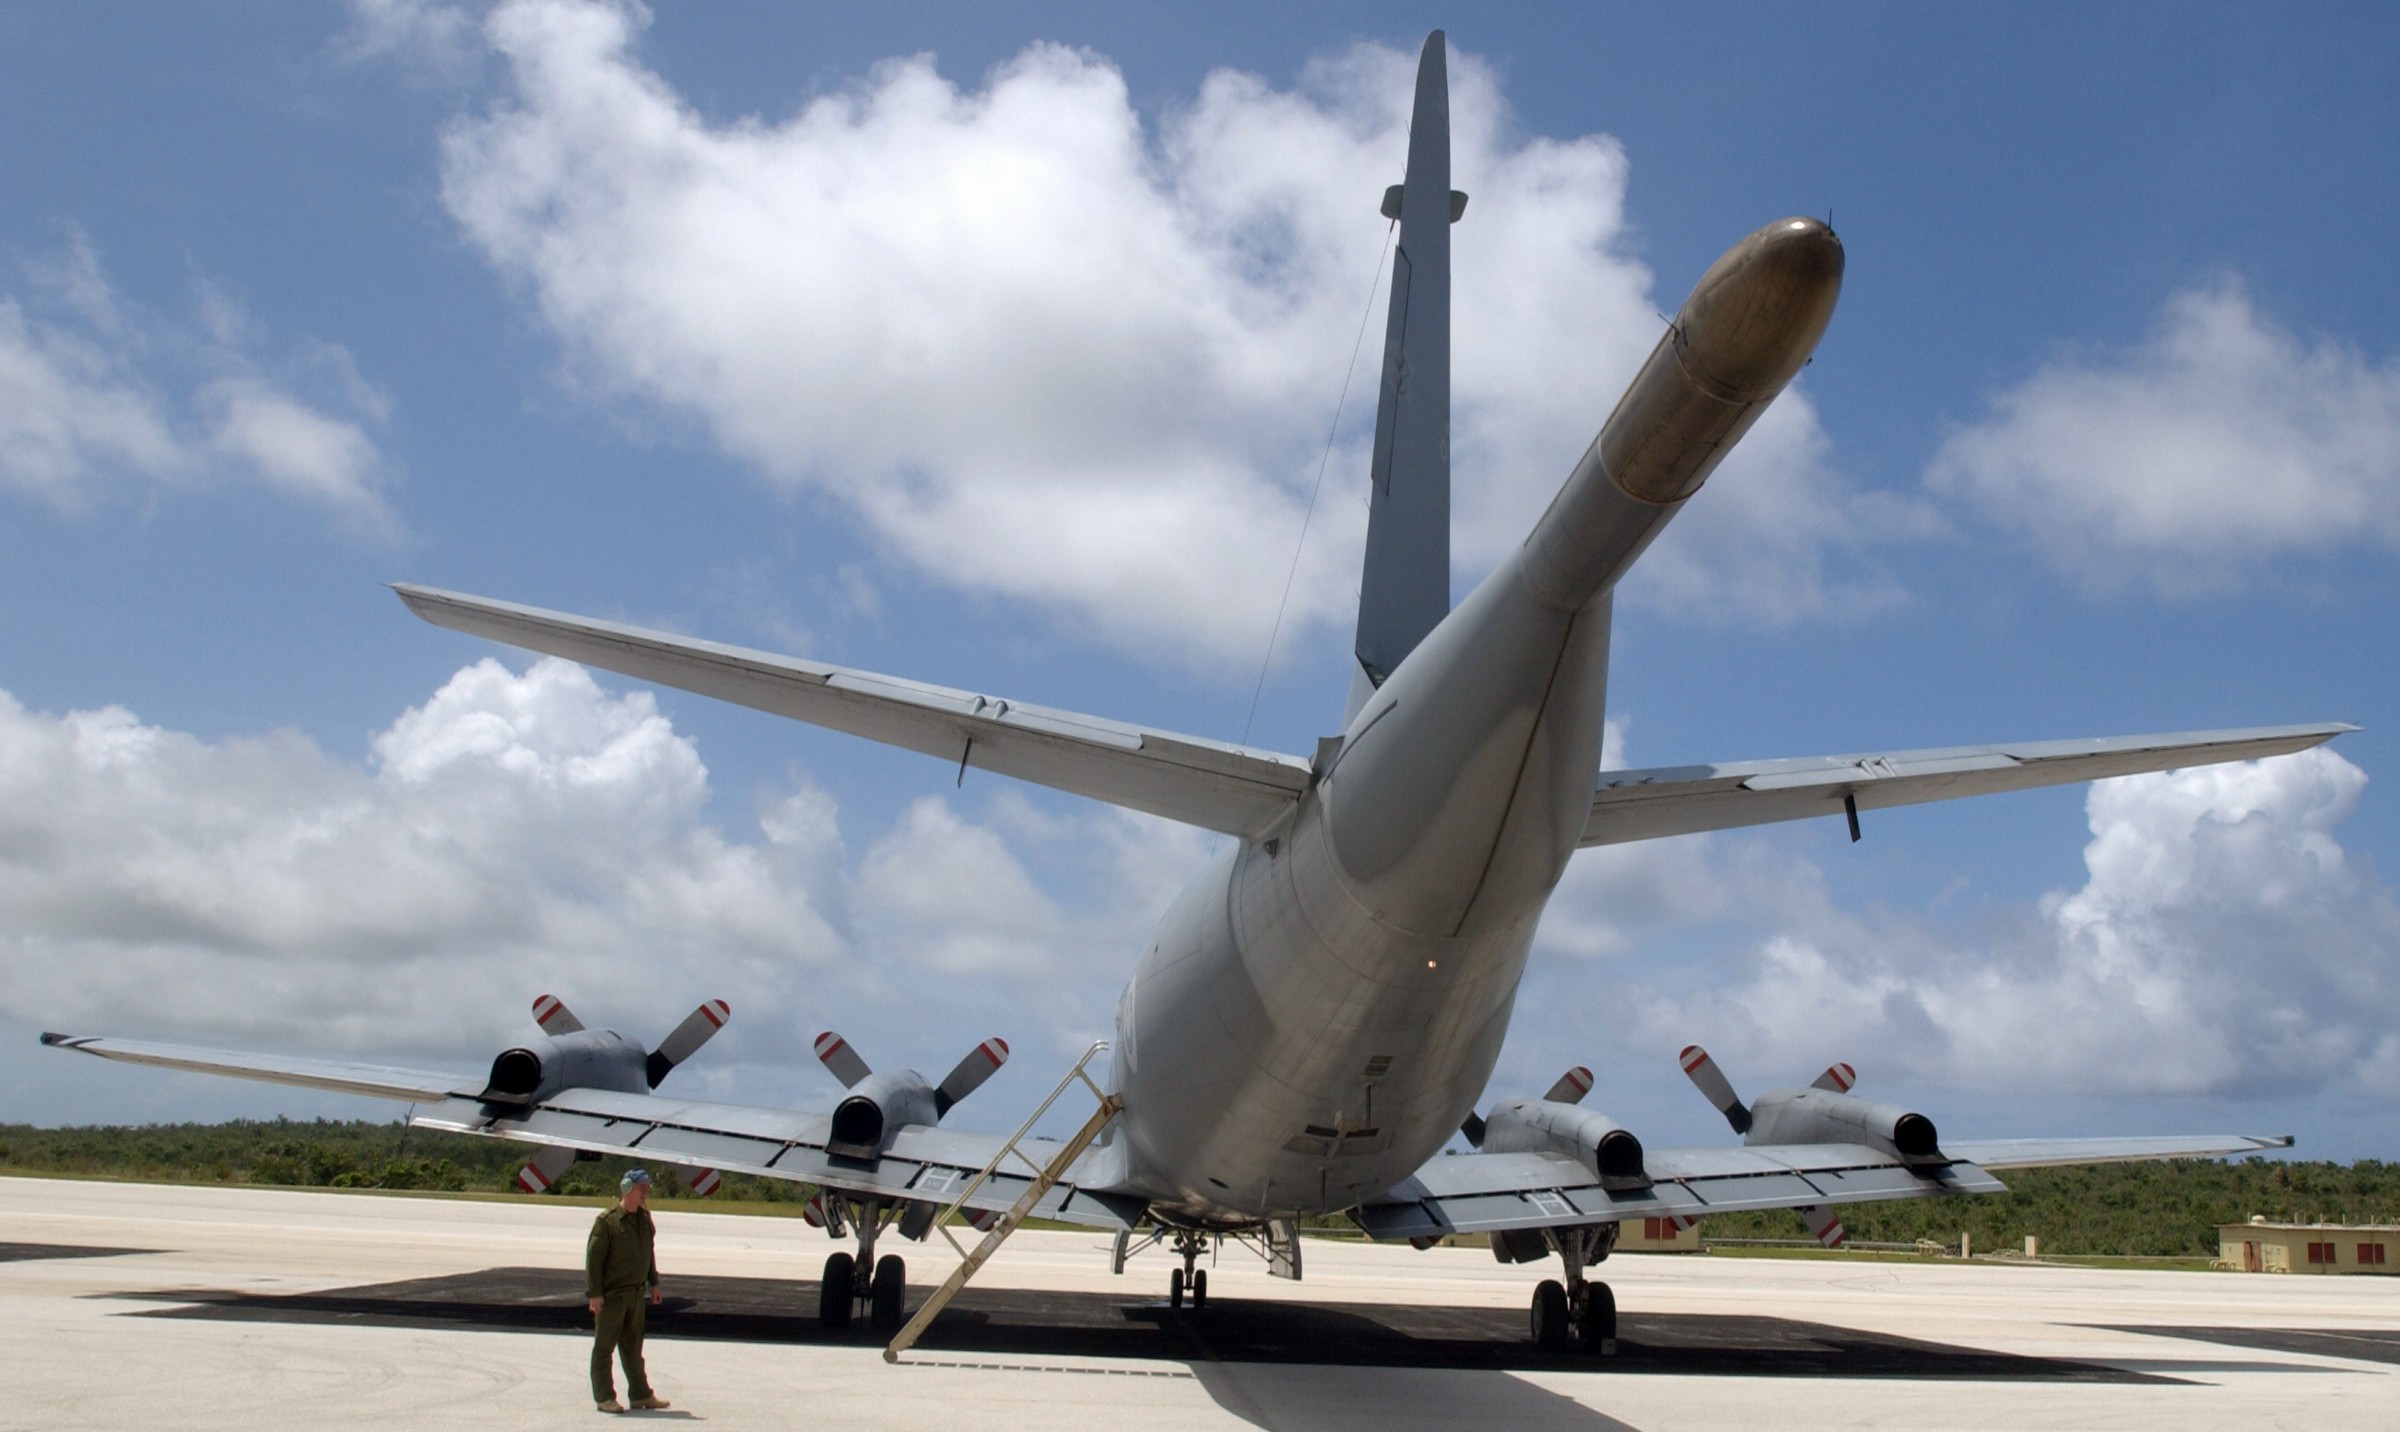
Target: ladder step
1023 1208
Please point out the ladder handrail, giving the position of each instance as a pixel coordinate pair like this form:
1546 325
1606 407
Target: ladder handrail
1017 1213
1045 1179
984 1174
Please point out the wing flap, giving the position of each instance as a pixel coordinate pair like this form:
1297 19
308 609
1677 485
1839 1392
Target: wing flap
1222 787
376 1081
931 1165
1683 800
2053 1153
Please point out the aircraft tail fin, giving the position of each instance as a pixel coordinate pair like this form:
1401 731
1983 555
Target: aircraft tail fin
1405 591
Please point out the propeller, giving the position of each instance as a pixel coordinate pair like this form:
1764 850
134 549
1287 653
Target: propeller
541 1172
1715 1088
1570 1089
686 1038
835 1053
1718 1090
981 1063
1571 1086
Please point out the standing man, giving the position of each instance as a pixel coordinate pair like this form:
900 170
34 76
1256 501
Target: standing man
620 1273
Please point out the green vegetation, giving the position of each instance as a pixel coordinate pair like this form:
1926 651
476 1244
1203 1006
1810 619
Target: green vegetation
2168 1210
324 1154
2155 1210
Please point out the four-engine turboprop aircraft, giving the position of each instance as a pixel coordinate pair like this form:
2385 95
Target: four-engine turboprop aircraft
1322 1007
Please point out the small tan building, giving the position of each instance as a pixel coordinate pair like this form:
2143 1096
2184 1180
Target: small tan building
1658 1235
2262 1247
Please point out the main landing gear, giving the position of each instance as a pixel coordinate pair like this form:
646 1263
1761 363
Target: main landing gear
850 1279
1571 1314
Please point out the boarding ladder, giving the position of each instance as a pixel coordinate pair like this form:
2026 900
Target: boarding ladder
1045 1177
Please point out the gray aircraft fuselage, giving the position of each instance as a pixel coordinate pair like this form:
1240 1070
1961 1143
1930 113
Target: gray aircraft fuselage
1323 1006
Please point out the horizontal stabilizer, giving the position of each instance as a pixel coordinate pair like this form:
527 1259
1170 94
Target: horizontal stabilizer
1680 800
374 1080
1221 787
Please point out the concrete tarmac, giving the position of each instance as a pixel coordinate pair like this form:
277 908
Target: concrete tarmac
137 1305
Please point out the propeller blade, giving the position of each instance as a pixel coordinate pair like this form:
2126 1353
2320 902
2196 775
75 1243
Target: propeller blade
981 1063
835 1053
700 1182
543 1169
1837 1078
1821 1222
1715 1088
552 1015
1571 1086
822 1212
687 1037
1473 1129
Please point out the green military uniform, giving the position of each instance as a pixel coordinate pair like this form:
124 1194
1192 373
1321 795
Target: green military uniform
620 1267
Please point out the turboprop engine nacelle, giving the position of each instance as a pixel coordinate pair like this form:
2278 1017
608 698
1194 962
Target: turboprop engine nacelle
584 1059
879 1106
1517 1126
1822 1116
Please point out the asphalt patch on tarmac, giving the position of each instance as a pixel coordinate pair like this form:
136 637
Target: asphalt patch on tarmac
2363 1344
1023 1324
34 1252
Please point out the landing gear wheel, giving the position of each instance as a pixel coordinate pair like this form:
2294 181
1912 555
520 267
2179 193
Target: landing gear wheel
887 1296
1551 1330
1599 1330
1175 1288
835 1294
1199 1288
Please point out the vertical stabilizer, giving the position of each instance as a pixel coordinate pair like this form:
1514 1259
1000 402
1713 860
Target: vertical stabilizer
1406 589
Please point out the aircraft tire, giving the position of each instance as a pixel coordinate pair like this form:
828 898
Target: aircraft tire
1199 1289
1551 1331
835 1294
1175 1288
1598 1332
887 1296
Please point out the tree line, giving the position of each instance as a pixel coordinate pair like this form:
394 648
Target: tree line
2140 1209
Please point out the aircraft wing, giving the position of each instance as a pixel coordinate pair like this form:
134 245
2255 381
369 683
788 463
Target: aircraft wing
928 1164
2053 1153
373 1080
1496 1193
925 1164
1234 789
1679 800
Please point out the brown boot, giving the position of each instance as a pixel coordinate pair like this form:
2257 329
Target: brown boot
652 1403
612 1405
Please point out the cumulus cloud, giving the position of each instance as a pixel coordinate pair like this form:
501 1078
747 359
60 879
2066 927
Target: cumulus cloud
2223 943
521 834
2194 459
1045 350
88 406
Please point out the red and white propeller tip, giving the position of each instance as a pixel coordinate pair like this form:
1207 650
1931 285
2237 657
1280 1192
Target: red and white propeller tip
835 1053
1715 1087
1571 1086
552 1014
981 1063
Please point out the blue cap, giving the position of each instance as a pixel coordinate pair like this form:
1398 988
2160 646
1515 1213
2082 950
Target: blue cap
632 1177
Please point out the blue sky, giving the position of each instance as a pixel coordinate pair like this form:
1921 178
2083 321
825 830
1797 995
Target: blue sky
997 348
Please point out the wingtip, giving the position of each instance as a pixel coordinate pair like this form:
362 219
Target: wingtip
55 1039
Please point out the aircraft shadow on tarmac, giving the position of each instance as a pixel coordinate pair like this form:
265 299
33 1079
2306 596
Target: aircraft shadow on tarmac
35 1252
1021 1324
